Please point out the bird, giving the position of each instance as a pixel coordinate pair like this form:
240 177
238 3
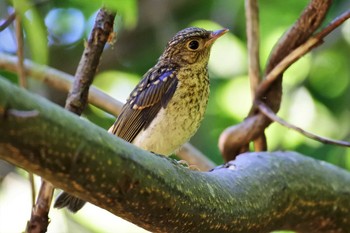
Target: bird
166 107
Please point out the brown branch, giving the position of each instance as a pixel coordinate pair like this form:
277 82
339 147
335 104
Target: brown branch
23 82
7 21
60 81
32 187
39 217
103 28
20 52
276 72
22 78
270 114
63 82
303 49
39 220
255 124
334 24
77 100
252 21
101 32
253 43
258 192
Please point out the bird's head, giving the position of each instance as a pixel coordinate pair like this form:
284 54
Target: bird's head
191 46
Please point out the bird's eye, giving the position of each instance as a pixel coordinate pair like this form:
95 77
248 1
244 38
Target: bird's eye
193 45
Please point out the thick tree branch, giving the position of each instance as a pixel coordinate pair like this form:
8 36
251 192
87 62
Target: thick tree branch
76 102
63 81
39 219
259 192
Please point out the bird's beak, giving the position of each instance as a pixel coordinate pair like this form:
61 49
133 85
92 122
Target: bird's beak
214 35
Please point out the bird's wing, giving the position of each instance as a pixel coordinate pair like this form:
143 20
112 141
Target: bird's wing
152 93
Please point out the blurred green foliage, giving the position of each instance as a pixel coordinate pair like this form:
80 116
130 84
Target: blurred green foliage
316 88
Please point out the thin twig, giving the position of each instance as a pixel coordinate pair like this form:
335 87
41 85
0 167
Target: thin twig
299 52
274 74
12 16
7 21
38 208
32 187
20 52
78 96
234 137
334 24
270 114
60 81
253 41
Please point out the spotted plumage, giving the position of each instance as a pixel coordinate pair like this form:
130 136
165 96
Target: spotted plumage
149 96
165 109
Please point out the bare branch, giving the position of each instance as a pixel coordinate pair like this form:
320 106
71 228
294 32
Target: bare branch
60 81
256 122
20 52
298 53
7 21
253 42
270 114
39 219
260 143
334 24
103 28
276 72
32 187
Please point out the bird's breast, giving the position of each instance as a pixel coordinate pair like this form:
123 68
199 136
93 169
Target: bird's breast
179 120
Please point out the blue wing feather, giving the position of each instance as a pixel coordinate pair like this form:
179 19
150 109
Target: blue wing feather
153 92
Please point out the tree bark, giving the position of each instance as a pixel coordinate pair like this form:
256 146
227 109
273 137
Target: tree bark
258 192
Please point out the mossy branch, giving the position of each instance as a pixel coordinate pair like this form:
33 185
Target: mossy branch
258 192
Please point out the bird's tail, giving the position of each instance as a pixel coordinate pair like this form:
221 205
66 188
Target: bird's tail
71 202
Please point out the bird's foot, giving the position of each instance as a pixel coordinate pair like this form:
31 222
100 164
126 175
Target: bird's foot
184 163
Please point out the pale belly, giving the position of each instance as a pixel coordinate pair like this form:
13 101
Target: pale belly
175 125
